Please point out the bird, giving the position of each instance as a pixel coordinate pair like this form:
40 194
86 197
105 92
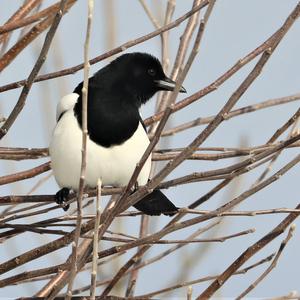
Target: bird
117 137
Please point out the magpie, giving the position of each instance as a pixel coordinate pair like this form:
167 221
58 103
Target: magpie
117 136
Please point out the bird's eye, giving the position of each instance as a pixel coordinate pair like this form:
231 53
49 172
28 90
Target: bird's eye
151 72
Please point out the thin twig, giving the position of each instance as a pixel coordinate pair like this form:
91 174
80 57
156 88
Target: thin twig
33 74
19 14
272 266
34 18
234 113
190 241
246 255
144 227
95 243
251 213
75 244
149 14
25 174
285 126
189 293
207 278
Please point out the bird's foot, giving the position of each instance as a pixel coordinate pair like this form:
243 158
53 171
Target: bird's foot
61 197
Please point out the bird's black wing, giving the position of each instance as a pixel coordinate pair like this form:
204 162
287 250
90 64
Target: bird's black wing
112 119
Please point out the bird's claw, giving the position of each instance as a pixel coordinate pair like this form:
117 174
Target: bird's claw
61 197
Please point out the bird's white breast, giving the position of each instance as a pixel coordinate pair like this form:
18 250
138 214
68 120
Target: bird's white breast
114 165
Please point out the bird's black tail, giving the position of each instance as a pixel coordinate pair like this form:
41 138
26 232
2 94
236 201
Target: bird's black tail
156 203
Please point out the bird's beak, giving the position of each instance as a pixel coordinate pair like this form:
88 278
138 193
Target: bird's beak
168 84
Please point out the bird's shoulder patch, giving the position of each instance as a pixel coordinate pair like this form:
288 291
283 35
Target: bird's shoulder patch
66 103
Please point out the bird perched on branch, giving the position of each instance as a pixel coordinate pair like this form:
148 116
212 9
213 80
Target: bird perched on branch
117 137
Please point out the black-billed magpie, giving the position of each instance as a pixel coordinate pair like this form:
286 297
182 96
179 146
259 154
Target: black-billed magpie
117 137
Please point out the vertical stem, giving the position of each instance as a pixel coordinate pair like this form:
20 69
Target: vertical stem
189 293
95 243
84 150
134 274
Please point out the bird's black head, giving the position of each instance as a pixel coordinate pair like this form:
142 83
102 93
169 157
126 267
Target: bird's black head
139 75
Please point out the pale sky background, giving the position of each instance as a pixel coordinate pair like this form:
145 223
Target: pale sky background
235 28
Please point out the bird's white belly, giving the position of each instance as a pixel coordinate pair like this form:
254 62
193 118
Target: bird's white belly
114 165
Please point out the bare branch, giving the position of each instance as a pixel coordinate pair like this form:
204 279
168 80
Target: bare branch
252 250
75 243
95 244
272 266
40 61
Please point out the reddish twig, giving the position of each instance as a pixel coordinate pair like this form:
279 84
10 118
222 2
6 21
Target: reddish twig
19 14
51 10
40 61
25 174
